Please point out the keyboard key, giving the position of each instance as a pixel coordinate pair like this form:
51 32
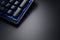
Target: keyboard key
10 12
8 5
23 3
13 7
3 3
12 1
16 13
17 3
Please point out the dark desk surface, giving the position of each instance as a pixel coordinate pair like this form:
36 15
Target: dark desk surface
41 24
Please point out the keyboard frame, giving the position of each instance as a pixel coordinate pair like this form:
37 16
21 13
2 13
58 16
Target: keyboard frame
13 20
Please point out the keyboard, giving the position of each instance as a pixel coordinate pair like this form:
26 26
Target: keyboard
14 10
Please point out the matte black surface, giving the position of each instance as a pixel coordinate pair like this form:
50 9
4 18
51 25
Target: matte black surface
41 24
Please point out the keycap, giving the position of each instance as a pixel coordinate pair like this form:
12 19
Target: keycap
3 3
10 12
17 3
8 5
13 7
12 1
17 12
23 3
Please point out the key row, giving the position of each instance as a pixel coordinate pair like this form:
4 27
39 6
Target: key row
16 13
11 2
11 12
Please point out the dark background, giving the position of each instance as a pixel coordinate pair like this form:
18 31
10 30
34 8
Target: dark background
41 24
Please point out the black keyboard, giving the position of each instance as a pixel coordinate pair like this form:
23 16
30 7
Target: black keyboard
14 10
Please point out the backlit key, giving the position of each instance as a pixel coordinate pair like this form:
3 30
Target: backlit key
16 3
23 3
10 12
17 12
